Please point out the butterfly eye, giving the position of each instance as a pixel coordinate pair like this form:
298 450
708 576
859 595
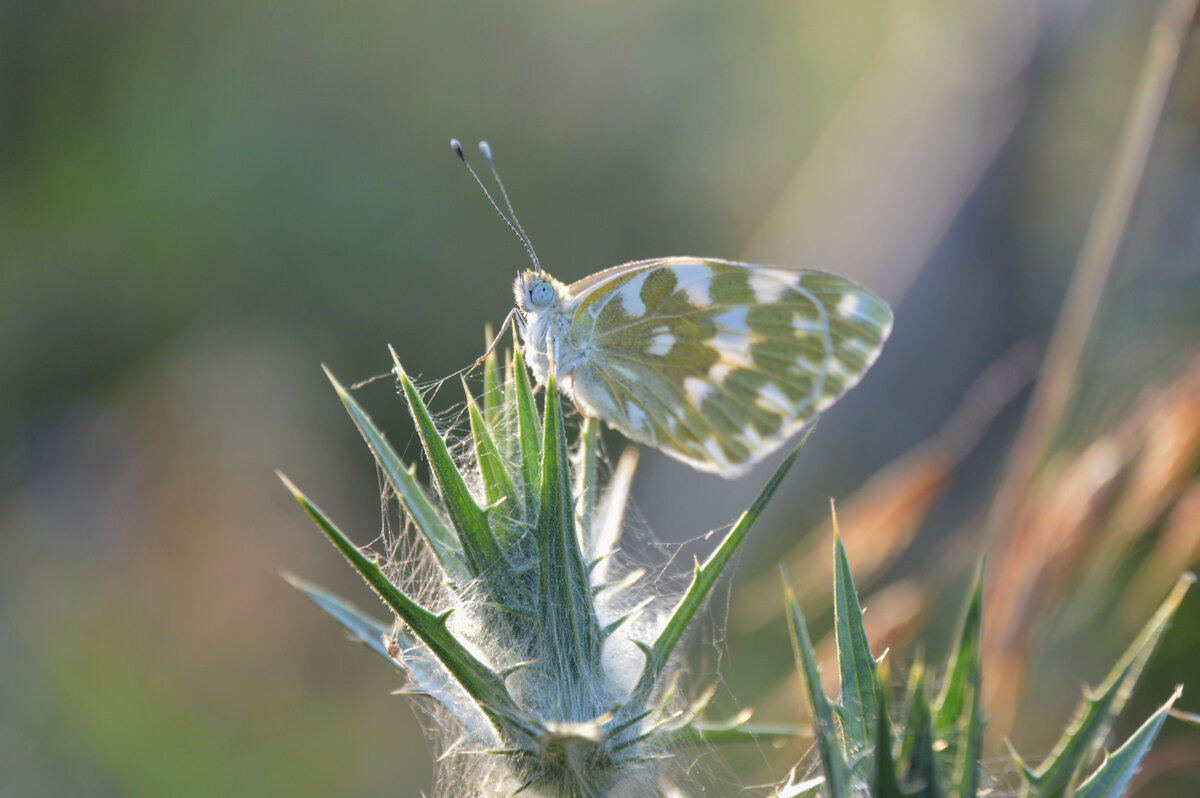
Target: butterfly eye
541 294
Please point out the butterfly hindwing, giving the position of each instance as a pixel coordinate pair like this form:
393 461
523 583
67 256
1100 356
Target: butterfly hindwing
717 362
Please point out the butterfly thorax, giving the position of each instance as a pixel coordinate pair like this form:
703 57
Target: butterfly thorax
546 309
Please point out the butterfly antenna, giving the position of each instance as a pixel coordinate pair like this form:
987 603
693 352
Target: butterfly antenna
515 228
486 149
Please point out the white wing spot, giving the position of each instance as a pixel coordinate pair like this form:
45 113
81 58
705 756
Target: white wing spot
786 276
751 437
630 295
770 397
719 371
733 319
767 285
713 447
734 339
849 305
697 389
803 324
661 343
734 350
696 287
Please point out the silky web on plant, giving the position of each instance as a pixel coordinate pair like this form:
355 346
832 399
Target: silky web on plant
554 660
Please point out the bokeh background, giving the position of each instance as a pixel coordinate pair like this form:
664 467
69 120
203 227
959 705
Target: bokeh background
201 202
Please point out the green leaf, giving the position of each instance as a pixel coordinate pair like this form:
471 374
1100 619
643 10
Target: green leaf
951 705
958 713
855 662
1112 778
565 612
425 675
497 487
916 749
825 730
885 781
364 629
529 432
483 554
1093 718
510 441
701 733
970 750
440 536
493 401
703 580
484 685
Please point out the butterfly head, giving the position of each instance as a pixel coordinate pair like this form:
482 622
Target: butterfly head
536 291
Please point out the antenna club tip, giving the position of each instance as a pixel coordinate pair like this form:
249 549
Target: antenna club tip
456 145
486 149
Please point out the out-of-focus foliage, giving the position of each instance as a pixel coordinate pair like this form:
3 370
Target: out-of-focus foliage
199 202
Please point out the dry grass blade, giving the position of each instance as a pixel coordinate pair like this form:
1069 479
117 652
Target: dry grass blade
1095 263
1085 512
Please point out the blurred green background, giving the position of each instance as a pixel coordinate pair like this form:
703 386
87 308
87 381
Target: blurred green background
201 202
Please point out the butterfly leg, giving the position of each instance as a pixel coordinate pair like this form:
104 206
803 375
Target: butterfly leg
492 346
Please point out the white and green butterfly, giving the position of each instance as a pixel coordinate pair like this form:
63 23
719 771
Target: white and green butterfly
714 362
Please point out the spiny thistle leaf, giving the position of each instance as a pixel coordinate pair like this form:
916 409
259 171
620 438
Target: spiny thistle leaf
658 654
493 401
951 706
699 733
564 608
856 665
425 675
1094 716
484 556
497 487
916 750
966 773
825 730
959 712
885 781
480 682
529 431
436 531
361 627
1112 778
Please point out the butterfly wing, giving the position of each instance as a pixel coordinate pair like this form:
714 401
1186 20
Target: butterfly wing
718 363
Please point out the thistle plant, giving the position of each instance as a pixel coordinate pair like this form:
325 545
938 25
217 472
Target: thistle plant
552 671
557 670
934 746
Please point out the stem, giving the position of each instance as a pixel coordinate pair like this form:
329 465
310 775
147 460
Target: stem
1100 247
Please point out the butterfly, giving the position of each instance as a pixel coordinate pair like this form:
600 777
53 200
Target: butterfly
714 362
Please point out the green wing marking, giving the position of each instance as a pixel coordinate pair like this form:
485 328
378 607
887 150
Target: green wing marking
715 362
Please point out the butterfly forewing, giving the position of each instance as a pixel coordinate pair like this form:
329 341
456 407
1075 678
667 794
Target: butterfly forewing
715 362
